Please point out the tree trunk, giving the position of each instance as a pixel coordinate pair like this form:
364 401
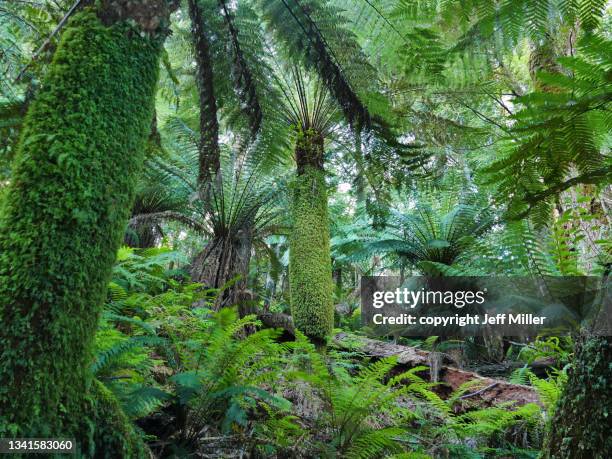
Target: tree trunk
64 216
209 162
580 428
310 274
224 259
360 180
271 281
338 278
142 237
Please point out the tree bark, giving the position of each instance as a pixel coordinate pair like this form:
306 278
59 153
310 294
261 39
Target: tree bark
224 259
360 180
338 278
209 161
581 425
271 281
310 273
64 215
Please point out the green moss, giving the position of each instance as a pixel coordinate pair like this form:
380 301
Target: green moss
310 274
63 218
580 428
113 433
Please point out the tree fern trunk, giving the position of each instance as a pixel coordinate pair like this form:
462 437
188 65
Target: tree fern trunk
310 274
64 217
209 162
360 179
225 258
581 425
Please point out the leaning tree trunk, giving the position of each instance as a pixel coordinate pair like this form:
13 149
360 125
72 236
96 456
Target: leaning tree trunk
63 218
310 275
580 428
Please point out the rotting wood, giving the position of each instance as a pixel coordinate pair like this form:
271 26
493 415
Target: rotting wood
488 391
277 320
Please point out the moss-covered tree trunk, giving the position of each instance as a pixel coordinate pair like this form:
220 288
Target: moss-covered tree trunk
581 426
64 216
310 273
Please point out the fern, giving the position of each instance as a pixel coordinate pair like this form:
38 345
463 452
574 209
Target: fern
424 237
354 403
106 359
572 123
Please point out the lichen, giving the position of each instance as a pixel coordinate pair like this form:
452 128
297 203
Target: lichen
310 276
63 218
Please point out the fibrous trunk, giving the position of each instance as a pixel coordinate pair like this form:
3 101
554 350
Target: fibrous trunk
580 428
209 162
310 275
225 258
64 217
360 179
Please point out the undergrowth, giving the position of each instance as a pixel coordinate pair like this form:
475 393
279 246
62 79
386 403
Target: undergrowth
195 380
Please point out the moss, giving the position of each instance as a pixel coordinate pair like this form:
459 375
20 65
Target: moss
580 428
113 433
63 218
310 273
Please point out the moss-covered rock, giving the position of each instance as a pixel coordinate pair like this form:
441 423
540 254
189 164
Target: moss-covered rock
63 218
580 428
310 276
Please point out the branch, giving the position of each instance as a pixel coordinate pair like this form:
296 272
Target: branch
594 177
484 389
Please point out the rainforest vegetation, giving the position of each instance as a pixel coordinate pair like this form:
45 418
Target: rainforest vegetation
191 192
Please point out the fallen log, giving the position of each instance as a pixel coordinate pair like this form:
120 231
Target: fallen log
277 320
540 367
486 391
